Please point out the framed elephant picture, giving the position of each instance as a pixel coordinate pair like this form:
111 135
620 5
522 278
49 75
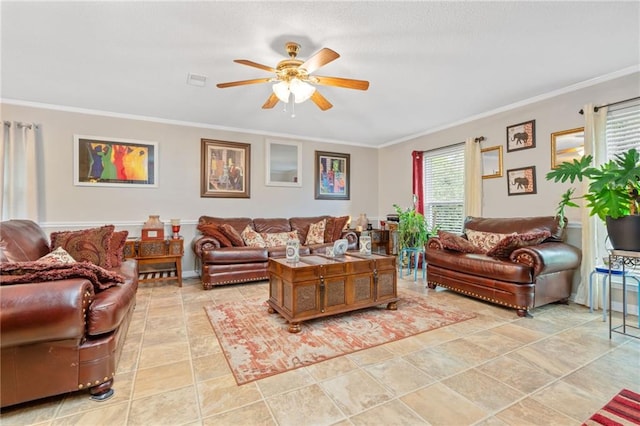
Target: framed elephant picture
521 136
521 181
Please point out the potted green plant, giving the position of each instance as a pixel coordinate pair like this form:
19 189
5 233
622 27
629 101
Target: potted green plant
612 195
413 230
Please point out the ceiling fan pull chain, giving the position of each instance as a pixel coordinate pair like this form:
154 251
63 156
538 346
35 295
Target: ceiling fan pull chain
293 107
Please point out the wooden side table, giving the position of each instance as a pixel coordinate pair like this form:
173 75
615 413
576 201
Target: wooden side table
379 238
150 252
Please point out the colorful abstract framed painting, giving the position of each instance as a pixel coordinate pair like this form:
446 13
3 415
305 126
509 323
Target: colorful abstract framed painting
521 136
332 180
521 181
103 161
225 169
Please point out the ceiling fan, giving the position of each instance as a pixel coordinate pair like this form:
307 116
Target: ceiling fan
294 81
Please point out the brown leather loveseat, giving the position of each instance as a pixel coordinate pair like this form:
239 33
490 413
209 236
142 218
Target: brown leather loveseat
220 264
59 335
520 275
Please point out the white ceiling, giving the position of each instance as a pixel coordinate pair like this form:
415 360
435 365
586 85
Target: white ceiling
430 64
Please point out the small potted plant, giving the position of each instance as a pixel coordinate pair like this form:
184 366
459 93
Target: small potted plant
413 230
612 195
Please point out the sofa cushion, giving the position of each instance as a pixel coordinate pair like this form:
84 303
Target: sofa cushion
271 225
91 245
340 225
58 255
474 264
315 235
214 230
484 241
515 241
456 242
278 239
301 224
232 234
252 238
116 251
519 225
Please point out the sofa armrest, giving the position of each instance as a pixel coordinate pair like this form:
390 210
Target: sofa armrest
548 257
44 311
202 243
434 243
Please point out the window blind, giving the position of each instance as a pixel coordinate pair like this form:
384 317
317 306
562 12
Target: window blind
444 187
623 128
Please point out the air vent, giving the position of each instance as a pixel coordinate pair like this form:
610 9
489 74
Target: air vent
196 79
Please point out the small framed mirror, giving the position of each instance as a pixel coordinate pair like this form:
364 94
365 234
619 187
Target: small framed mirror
566 145
283 163
492 162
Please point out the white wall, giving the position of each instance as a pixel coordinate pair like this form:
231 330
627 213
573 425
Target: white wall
66 206
551 115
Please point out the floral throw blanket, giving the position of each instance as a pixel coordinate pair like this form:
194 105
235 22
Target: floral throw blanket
27 272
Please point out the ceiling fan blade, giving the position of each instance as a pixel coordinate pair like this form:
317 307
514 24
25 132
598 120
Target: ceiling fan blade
243 82
347 83
321 101
323 57
255 65
271 102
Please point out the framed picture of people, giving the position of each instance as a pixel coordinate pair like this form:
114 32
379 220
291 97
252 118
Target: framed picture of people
105 161
332 181
225 169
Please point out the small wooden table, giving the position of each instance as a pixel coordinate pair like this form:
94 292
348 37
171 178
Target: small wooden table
150 252
318 286
380 238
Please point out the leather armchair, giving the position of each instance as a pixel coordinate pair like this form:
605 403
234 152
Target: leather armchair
530 277
58 336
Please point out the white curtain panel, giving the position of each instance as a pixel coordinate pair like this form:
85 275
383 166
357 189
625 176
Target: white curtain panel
19 169
593 232
472 178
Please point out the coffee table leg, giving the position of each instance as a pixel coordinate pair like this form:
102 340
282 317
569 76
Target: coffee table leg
294 327
392 306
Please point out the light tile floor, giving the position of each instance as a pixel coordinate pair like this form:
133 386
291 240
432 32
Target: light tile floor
556 368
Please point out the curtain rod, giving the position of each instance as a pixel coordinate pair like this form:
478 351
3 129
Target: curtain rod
21 125
596 108
479 139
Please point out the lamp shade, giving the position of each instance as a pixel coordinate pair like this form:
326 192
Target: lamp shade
301 90
282 91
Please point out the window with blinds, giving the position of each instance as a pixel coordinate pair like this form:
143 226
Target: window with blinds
623 128
443 172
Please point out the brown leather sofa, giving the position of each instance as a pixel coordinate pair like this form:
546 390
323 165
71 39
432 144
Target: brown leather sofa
229 265
530 277
58 336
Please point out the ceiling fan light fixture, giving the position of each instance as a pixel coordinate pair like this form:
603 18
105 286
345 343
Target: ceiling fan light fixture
282 91
301 90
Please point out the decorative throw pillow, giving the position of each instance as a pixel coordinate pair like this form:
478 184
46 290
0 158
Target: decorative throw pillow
508 244
233 235
116 251
456 242
251 238
213 230
90 245
484 241
278 239
316 233
340 224
59 255
329 229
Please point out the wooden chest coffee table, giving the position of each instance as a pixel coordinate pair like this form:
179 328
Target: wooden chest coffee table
319 286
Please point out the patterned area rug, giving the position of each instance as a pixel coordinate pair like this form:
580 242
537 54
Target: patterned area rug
258 344
622 410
